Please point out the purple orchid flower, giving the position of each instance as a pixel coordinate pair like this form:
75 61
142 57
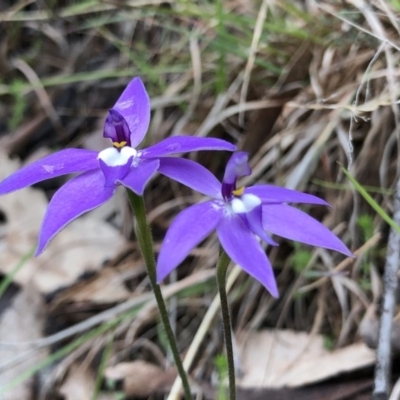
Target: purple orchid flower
239 215
101 173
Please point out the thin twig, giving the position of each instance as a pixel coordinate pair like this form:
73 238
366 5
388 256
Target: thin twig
384 350
262 14
342 266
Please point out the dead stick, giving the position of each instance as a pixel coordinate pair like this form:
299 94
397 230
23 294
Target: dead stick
384 350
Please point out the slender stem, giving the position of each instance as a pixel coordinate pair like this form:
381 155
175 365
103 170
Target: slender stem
145 240
384 349
222 267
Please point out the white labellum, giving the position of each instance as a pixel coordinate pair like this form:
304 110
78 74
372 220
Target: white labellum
245 203
113 157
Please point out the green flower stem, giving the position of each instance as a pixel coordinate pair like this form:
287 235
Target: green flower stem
145 240
222 267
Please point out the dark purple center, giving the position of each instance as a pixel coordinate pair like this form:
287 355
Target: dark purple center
116 129
227 190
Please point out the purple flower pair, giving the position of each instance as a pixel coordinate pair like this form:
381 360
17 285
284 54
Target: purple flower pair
101 173
240 216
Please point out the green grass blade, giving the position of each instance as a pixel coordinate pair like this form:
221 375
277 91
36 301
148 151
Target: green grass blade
5 283
382 213
103 364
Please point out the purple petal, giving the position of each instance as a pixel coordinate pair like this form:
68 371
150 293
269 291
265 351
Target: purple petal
115 174
191 174
293 224
254 221
275 194
184 144
243 248
81 194
139 175
237 166
134 106
188 229
66 161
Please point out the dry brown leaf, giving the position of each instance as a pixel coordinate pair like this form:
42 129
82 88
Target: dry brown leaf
22 321
106 287
277 358
80 385
141 378
82 246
